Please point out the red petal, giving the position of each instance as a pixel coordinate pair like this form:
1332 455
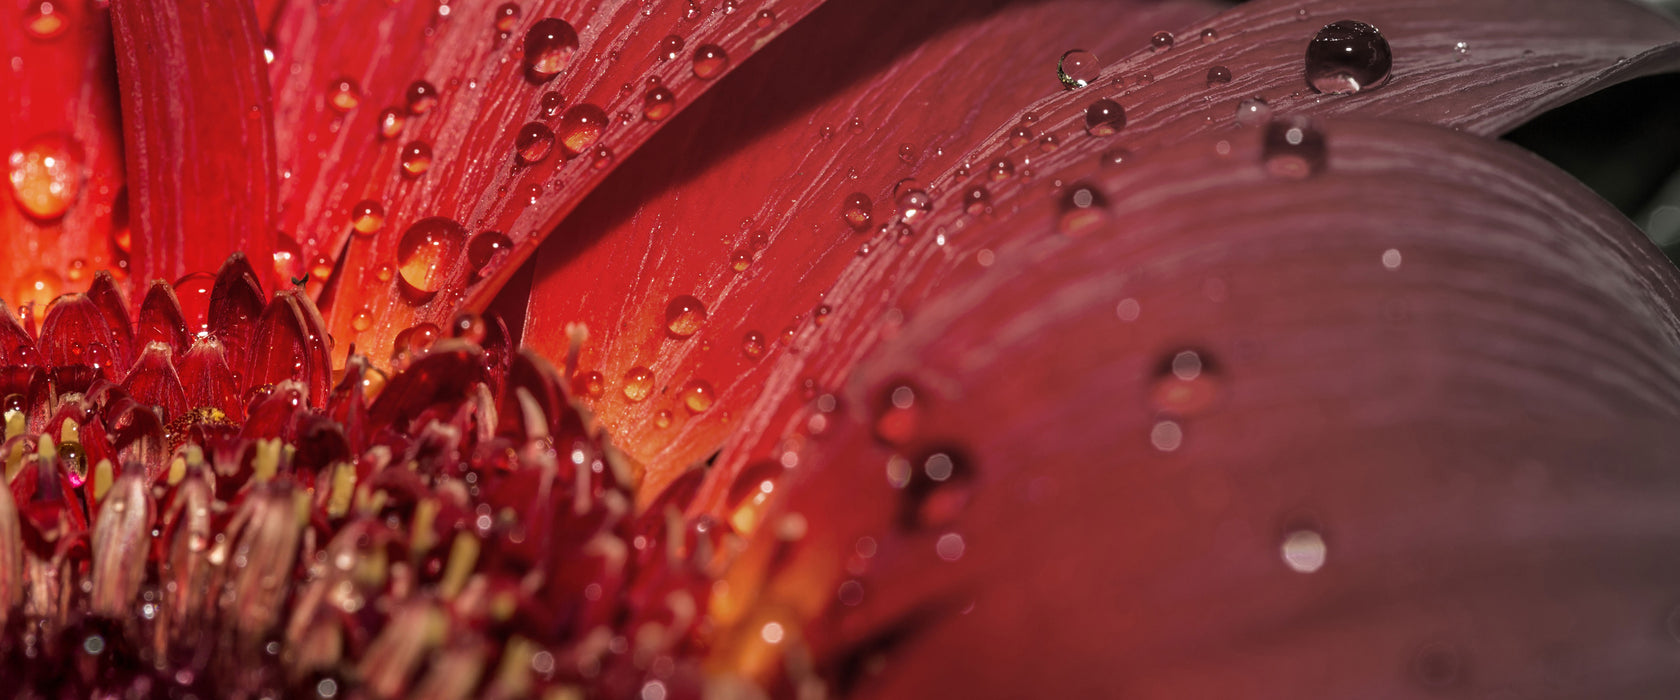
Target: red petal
75 334
61 101
672 225
209 379
289 343
160 319
196 193
153 381
1426 358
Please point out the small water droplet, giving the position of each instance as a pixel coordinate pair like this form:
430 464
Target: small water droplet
856 211
1021 135
46 175
551 104
1218 75
976 200
343 95
427 253
1253 111
740 260
384 272
684 315
602 158
391 123
709 61
1186 384
670 47
1391 258
1346 57
421 97
1077 68
1210 35
936 487
1293 148
416 158
1001 169
638 384
366 217
1166 436
40 286
1104 118
697 395
590 384
662 419
533 143
907 153
45 20
363 319
581 127
1161 41
913 203
1049 143
752 345
1114 157
1304 551
507 17
1461 50
764 18
1082 206
549 45
658 104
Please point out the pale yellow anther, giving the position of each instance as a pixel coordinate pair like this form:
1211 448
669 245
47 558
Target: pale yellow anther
463 556
70 432
16 423
267 460
103 475
343 489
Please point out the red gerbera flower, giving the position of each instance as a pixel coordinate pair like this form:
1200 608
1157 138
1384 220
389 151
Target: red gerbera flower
634 349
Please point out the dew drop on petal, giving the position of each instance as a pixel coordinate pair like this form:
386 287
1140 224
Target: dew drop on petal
45 20
914 203
193 291
1082 206
1304 551
590 384
581 127
658 104
1114 157
752 345
1346 57
1161 41
684 315
549 45
1293 148
366 217
1210 35
1001 169
1186 383
1104 118
1077 68
551 104
976 200
38 287
507 17
602 157
416 158
1253 111
764 18
1461 50
421 97
343 95
638 384
697 395
1049 143
486 247
428 251
670 47
391 123
857 211
533 143
709 61
1218 75
45 175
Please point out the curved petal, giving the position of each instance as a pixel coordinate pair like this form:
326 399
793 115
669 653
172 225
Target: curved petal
60 92
1422 447
201 151
453 87
741 209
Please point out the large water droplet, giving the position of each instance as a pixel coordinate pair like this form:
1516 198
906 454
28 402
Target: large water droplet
1346 57
366 217
581 127
709 61
914 203
416 158
638 384
1077 68
1186 383
193 291
549 45
1293 148
45 20
658 104
486 247
343 95
1104 118
697 395
46 175
856 211
1082 206
533 143
684 315
421 97
427 253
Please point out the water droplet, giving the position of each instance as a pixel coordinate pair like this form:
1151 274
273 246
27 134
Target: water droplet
391 123
1391 259
1166 436
684 315
45 20
1304 551
1346 57
1293 148
367 216
638 384
697 395
1001 169
343 95
590 384
936 488
662 419
1218 75
551 104
416 158
897 413
507 17
421 96
914 203
669 48
549 45
40 286
764 18
581 127
1114 157
1049 143
384 272
1082 206
1210 35
1253 111
1077 68
1020 136
46 175
740 260
1186 383
709 61
856 211
907 153
602 157
486 247
658 104
363 319
752 345
1104 118
976 200
1461 50
428 252
533 143
1161 41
